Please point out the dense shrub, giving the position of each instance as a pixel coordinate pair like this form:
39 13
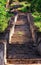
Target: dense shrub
3 16
39 6
35 5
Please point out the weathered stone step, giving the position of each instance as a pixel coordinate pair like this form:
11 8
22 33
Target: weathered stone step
20 22
22 28
20 38
24 61
21 33
22 19
23 51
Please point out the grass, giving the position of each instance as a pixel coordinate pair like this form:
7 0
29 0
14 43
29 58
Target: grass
37 19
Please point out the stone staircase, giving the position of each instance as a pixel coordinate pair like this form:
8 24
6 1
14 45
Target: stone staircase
21 49
21 46
22 31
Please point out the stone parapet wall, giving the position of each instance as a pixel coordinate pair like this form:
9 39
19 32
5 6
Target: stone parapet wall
32 26
11 31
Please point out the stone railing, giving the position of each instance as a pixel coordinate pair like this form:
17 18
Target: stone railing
32 26
11 32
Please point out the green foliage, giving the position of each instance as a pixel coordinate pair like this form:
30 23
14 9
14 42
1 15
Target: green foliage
37 19
4 16
25 0
25 6
24 9
38 8
35 5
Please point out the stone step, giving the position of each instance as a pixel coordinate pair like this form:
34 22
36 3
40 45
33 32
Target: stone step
22 51
20 22
22 30
24 61
22 19
22 27
22 33
20 38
